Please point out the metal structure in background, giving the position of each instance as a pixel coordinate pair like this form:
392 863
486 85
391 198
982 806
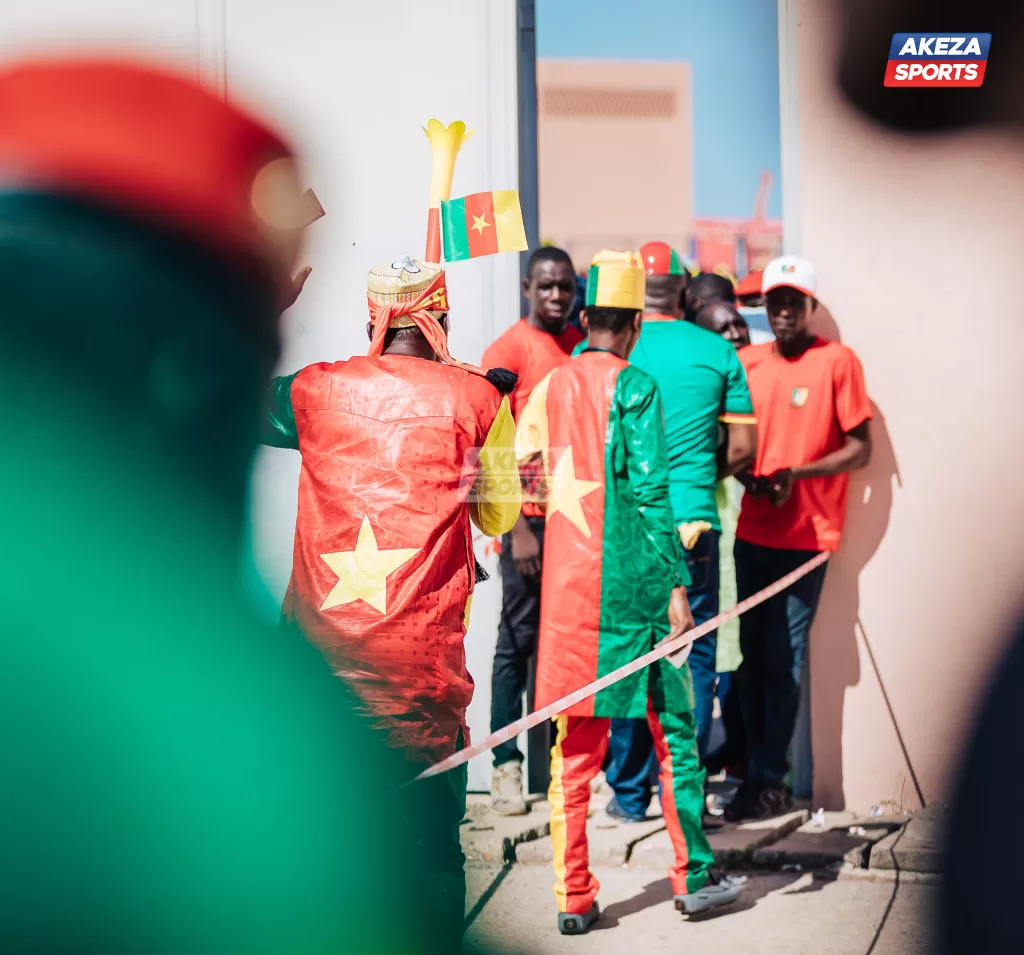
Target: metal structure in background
528 191
538 745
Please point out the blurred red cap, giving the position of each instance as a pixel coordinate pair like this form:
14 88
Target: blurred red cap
750 284
149 142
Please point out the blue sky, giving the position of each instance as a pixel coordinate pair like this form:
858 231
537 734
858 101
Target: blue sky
732 48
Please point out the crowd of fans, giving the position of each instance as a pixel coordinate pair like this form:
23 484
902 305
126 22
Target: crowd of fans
157 730
761 439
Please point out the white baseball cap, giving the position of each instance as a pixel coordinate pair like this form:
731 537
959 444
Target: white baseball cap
789 270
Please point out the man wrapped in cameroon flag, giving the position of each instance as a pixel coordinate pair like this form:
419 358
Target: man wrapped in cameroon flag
614 586
401 450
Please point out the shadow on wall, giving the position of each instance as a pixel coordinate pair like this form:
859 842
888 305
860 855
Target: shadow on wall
834 658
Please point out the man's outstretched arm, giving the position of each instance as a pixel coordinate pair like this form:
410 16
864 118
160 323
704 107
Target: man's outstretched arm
277 426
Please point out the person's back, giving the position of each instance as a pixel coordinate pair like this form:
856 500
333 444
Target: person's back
388 447
176 777
705 398
597 534
614 587
702 385
168 759
401 450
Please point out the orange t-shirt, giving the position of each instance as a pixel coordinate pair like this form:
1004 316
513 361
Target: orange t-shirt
804 407
532 355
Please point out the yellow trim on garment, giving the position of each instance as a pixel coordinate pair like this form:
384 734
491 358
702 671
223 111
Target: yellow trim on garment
497 497
556 800
736 418
532 433
689 533
532 440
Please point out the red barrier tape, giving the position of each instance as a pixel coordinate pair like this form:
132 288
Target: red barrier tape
663 649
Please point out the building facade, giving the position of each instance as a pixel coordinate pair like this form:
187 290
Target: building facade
615 154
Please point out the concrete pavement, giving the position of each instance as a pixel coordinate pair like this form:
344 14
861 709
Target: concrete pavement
824 840
512 909
850 884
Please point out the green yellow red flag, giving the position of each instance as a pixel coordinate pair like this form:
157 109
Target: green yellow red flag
482 224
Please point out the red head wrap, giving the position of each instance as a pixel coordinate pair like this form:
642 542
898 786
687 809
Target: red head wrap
434 298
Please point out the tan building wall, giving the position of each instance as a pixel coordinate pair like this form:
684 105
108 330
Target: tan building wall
916 242
598 124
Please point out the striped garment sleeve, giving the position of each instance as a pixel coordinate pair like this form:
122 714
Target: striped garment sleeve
737 407
277 427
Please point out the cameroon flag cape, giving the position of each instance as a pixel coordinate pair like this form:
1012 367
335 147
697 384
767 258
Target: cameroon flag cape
611 553
383 564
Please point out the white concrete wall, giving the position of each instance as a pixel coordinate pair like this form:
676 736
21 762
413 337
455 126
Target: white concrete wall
166 29
350 83
355 109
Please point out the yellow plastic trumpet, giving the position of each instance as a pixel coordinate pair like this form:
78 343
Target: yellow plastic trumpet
445 143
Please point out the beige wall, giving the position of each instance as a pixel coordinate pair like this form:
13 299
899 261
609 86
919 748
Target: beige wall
917 242
615 154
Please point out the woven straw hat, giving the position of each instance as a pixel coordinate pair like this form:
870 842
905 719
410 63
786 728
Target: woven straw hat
405 281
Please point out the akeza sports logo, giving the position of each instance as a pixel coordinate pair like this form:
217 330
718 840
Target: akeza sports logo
937 59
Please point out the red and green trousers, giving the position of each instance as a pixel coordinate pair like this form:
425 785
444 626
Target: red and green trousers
577 757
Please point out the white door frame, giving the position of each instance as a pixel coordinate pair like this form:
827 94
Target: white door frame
211 45
789 126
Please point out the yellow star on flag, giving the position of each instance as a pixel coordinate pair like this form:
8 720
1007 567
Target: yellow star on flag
363 572
480 223
566 491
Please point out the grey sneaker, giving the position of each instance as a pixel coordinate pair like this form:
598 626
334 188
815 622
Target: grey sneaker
721 889
570 924
507 790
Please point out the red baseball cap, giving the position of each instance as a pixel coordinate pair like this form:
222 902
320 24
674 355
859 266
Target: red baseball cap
750 284
659 258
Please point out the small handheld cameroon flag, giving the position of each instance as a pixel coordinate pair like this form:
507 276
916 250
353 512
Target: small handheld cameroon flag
482 224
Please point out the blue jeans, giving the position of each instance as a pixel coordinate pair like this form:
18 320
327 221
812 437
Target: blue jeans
773 639
631 764
733 751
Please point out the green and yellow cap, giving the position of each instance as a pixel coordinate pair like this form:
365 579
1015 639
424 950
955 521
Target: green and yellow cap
616 280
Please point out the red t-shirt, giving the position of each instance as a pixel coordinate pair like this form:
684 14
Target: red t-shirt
532 355
804 407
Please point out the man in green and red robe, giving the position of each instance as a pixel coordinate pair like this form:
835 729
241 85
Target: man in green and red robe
615 585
